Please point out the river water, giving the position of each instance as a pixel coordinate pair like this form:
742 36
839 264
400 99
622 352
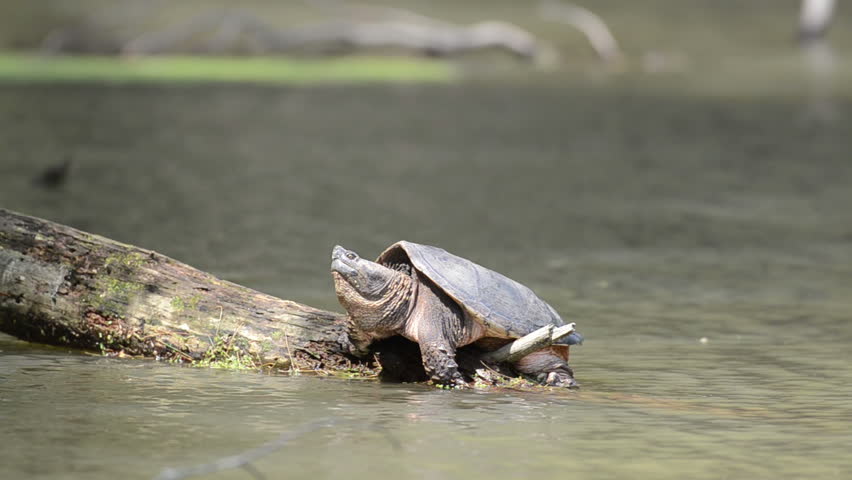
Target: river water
698 231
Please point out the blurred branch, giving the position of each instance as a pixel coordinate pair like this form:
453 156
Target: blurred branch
364 27
814 19
374 12
430 38
96 31
820 60
164 40
593 27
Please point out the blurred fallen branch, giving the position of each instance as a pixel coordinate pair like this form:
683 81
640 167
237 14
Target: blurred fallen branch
593 27
820 59
814 19
100 30
235 31
169 39
371 12
429 38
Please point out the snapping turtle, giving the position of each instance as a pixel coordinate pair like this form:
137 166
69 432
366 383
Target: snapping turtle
443 302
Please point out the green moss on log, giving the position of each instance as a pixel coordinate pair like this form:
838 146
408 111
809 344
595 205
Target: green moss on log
112 295
129 260
179 304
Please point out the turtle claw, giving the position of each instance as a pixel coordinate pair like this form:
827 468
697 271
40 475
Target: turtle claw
459 383
561 379
451 384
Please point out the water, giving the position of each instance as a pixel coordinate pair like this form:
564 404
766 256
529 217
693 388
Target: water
709 416
653 211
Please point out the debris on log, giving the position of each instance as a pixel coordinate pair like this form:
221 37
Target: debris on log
541 338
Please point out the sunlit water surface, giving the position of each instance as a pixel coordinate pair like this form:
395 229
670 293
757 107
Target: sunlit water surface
653 215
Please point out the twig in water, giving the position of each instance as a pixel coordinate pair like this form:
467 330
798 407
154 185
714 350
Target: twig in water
253 471
186 356
394 442
218 324
293 366
233 336
495 371
243 460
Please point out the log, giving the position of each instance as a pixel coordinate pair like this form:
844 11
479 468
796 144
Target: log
62 286
541 338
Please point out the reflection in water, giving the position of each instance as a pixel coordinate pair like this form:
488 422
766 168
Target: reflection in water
820 61
715 410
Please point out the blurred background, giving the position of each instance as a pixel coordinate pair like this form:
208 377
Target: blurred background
672 175
247 141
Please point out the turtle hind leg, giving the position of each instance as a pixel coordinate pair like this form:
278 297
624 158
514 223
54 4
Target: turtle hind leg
560 378
549 366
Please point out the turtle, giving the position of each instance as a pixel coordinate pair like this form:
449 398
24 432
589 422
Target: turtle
443 302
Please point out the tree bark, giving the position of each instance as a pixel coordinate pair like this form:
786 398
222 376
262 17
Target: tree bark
62 286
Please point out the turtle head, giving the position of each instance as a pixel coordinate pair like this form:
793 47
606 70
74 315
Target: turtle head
367 278
372 293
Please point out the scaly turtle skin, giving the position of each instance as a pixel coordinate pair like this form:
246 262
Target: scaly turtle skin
443 302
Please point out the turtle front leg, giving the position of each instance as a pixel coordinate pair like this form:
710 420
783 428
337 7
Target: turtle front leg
437 324
439 360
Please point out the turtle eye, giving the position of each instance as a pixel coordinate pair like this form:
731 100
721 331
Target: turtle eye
351 255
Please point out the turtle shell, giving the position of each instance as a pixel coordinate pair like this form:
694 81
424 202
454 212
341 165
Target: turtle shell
506 308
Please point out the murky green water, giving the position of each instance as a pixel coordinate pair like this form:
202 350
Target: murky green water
652 210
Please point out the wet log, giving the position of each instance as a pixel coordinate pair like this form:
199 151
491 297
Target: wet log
62 286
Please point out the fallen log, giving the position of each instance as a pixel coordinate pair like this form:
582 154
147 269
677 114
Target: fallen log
62 286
